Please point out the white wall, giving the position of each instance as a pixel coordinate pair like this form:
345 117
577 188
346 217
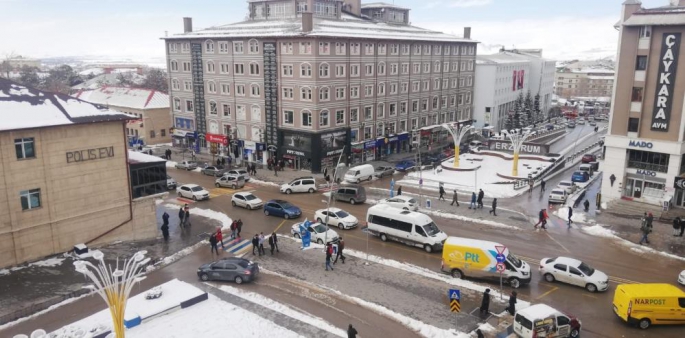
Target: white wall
483 93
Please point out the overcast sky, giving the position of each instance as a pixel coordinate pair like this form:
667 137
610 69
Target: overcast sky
132 28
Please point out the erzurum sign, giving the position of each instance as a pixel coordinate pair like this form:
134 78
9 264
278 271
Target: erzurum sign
668 66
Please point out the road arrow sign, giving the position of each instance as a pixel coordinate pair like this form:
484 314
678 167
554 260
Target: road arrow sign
455 306
500 258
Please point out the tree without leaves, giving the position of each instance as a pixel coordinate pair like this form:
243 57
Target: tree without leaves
124 80
28 76
156 79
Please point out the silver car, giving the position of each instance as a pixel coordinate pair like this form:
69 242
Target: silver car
216 171
187 165
240 172
230 181
382 171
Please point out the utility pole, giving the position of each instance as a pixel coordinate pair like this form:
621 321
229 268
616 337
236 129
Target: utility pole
330 194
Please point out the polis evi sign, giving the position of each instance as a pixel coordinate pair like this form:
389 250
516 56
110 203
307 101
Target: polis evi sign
668 65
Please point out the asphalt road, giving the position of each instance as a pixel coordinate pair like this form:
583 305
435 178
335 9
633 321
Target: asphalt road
595 310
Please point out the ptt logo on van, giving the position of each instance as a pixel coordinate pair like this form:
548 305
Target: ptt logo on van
648 301
471 256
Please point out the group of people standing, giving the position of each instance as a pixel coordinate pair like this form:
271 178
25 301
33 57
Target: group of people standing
221 161
336 249
275 165
258 243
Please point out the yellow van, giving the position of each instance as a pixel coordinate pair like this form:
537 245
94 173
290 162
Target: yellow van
650 304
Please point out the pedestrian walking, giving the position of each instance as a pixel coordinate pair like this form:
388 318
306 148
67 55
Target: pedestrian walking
485 302
650 218
275 240
612 178
339 254
271 245
481 194
676 226
512 303
646 229
570 215
455 198
186 217
531 184
479 334
181 215
329 253
165 226
261 244
276 169
586 204
682 228
240 226
220 237
442 193
542 184
212 243
351 332
192 155
542 219
234 226
473 200
399 190
255 243
494 207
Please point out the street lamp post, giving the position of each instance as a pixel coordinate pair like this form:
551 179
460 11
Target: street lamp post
418 163
330 194
114 286
457 134
517 140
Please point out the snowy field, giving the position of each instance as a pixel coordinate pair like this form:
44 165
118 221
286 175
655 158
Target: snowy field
482 178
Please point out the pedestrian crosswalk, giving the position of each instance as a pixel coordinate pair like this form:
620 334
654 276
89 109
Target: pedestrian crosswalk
238 247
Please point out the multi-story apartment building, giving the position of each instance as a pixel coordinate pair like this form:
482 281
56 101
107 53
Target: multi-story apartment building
308 80
644 149
574 83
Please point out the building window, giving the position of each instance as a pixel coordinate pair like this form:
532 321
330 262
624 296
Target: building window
255 92
323 70
368 48
641 63
225 89
381 89
381 110
354 115
211 87
25 148
394 49
288 117
287 70
162 132
306 118
324 48
368 70
340 93
323 118
367 133
636 95
223 47
368 113
368 90
648 160
226 110
393 88
213 110
187 86
239 69
30 199
340 117
174 65
305 70
189 106
254 68
340 70
286 47
175 84
240 90
238 47
645 31
633 124
324 94
209 46
305 47
152 134
354 48
254 47
173 48
354 92
177 104
186 66
306 94
288 93
426 67
393 109
354 70
340 48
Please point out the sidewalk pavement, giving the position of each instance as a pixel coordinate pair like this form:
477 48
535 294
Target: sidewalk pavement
661 238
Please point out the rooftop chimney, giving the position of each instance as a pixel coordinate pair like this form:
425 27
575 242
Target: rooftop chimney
308 18
355 6
187 25
467 32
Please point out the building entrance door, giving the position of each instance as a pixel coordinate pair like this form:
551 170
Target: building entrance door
633 188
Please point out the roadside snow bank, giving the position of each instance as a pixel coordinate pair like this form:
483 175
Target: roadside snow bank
211 214
600 231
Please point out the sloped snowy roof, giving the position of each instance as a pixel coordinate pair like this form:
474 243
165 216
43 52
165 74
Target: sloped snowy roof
349 26
134 98
138 157
108 80
22 107
659 16
503 57
382 5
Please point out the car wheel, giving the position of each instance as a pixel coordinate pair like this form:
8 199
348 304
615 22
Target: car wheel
549 277
644 323
319 220
370 177
266 212
384 238
194 198
358 181
286 216
296 235
239 280
233 203
352 201
515 283
575 333
311 190
204 277
428 248
217 185
456 273
320 241
591 287
405 208
341 226
233 187
288 192
249 207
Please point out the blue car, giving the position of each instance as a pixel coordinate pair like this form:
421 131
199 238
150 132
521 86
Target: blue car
404 165
281 208
580 176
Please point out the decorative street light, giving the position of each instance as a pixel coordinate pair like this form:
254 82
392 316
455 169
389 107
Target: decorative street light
114 286
457 134
517 140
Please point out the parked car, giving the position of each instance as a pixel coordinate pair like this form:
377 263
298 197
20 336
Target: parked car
681 278
187 165
350 193
336 217
568 186
170 183
281 208
593 123
320 233
246 200
574 272
230 181
571 125
234 269
541 320
405 165
580 176
401 202
587 158
557 196
242 172
193 191
382 171
581 122
302 184
215 171
363 172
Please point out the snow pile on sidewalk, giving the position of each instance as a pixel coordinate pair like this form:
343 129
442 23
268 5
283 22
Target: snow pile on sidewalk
265 183
185 252
170 164
600 231
283 309
50 262
211 214
577 217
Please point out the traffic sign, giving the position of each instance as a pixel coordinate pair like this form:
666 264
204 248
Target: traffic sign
500 267
455 306
455 300
454 294
500 249
500 258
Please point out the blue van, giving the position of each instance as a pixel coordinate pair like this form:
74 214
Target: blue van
580 176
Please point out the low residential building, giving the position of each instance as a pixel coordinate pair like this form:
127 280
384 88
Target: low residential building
588 83
153 125
64 176
20 61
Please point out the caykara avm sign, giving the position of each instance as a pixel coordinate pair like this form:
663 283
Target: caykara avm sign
668 66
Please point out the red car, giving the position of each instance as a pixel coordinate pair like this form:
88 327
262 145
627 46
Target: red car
587 158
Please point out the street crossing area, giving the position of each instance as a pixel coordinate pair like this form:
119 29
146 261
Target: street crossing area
238 247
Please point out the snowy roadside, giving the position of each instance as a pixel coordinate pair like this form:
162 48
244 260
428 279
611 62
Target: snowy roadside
601 231
208 213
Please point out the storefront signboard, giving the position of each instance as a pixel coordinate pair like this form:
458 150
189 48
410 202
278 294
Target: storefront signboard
679 183
640 144
526 148
668 66
646 172
215 138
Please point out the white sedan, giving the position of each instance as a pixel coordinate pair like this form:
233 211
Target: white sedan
401 202
557 195
320 233
568 186
575 272
193 191
246 200
337 218
681 278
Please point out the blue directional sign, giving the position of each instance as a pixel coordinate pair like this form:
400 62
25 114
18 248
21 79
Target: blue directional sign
454 294
500 258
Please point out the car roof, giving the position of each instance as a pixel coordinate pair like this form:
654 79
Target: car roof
537 311
234 259
190 185
312 224
562 191
565 182
403 197
568 261
330 209
278 201
245 193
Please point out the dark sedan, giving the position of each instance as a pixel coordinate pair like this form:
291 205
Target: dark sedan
216 171
587 158
234 269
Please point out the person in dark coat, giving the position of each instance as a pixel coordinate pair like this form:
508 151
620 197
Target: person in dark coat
455 198
542 184
682 228
275 240
329 254
339 254
399 190
442 193
512 303
570 214
481 194
646 229
181 214
351 332
612 178
479 334
186 218
586 204
212 243
239 226
165 226
255 243
220 237
676 226
271 244
260 240
485 303
473 201
494 207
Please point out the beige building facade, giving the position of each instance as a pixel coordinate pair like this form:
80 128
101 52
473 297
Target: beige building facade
584 83
645 146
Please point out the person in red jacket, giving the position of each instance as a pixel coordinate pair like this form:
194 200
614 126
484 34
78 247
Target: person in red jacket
220 237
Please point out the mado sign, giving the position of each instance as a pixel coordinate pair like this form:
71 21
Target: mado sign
646 172
526 148
640 144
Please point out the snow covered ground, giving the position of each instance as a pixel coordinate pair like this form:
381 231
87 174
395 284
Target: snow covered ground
215 215
601 231
482 178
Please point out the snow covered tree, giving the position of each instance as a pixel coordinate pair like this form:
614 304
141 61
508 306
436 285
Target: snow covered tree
28 76
528 110
509 123
518 112
536 109
156 79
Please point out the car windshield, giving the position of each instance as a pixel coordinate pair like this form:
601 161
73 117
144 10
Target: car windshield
319 228
342 214
411 201
249 197
555 192
198 188
242 264
564 184
431 229
514 260
584 268
286 205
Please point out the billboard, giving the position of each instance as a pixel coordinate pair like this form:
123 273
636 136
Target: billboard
668 65
526 148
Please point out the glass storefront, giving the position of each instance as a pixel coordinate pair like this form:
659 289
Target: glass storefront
641 186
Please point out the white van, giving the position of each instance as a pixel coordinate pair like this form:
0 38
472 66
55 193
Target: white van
408 227
359 173
586 168
302 184
541 320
